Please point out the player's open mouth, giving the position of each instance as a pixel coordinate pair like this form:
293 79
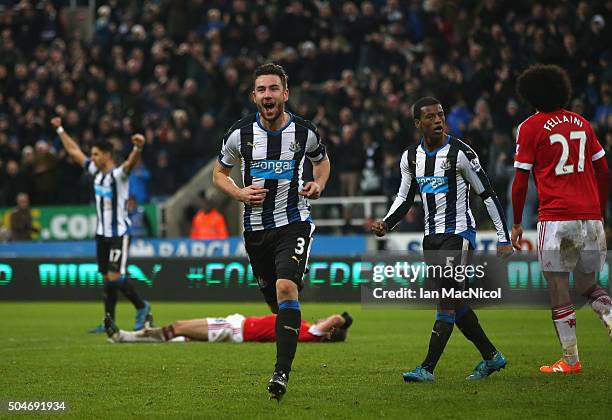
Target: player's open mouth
269 106
438 129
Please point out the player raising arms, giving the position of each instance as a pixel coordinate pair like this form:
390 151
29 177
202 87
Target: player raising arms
442 168
565 156
111 189
271 146
233 329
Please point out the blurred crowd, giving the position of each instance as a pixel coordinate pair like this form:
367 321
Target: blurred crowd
179 71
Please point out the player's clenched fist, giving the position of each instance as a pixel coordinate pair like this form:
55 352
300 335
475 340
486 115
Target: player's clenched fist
504 251
253 195
517 235
379 228
56 122
311 190
138 140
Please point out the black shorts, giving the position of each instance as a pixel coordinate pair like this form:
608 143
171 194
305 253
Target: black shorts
443 250
279 253
112 253
447 243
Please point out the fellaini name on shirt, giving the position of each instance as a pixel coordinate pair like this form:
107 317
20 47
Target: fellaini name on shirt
556 120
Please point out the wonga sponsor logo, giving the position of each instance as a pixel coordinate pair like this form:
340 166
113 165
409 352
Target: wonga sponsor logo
433 184
272 169
103 191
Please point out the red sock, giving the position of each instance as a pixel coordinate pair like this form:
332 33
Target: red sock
596 293
168 332
599 300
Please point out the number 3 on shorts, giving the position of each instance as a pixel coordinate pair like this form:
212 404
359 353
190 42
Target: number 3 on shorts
299 249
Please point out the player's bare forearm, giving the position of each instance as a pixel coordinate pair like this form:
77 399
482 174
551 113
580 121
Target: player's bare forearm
131 161
334 321
138 141
321 171
71 146
223 181
252 195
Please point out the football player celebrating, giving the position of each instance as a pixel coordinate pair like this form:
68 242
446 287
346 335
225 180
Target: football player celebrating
562 151
270 147
111 191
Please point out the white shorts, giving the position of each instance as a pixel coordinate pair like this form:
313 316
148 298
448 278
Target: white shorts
227 329
568 245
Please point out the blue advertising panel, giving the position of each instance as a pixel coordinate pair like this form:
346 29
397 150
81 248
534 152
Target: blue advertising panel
179 248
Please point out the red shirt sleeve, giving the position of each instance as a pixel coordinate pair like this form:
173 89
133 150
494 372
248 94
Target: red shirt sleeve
602 174
524 157
597 152
519 193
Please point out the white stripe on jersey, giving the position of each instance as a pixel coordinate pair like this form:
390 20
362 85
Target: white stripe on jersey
598 155
282 190
112 220
260 151
521 165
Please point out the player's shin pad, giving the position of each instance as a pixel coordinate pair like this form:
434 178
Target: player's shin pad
110 298
127 288
441 332
467 321
287 331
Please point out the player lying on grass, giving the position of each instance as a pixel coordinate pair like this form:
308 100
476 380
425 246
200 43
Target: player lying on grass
234 328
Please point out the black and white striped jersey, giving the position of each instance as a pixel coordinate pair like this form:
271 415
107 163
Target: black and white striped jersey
443 178
111 191
273 160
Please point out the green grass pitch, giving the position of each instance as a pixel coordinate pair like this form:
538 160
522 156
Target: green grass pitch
46 355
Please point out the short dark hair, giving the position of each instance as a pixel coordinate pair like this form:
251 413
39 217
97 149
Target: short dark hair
272 68
546 87
104 145
337 334
420 103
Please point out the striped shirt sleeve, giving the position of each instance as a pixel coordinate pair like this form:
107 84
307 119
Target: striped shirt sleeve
90 166
230 150
405 196
315 150
120 173
469 165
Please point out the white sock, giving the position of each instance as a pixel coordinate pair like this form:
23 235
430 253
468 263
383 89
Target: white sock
137 337
564 318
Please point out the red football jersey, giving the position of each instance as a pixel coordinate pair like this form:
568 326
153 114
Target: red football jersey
560 147
261 328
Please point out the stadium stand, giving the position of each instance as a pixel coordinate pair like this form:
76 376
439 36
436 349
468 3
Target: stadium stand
179 72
